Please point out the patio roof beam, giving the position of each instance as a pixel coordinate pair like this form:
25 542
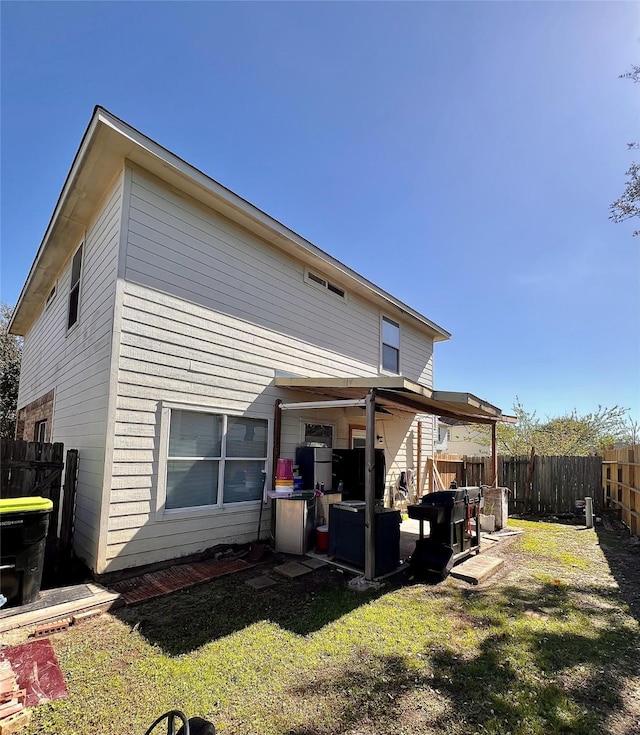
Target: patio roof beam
407 403
346 403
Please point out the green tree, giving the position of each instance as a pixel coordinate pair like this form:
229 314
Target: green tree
571 434
574 434
10 358
517 438
628 205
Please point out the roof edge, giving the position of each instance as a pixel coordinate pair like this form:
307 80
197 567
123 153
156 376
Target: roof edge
214 188
68 182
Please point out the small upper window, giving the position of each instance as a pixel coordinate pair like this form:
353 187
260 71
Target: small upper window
74 291
390 346
51 296
321 282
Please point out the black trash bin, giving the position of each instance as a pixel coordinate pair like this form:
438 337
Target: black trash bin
23 532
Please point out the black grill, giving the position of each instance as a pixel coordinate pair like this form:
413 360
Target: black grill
454 518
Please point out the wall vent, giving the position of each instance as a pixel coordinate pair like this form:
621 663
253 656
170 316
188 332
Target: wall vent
320 282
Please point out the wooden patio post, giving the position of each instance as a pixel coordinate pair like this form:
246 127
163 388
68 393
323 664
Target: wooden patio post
419 472
494 452
369 488
277 431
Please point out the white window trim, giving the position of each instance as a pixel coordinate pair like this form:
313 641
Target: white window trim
200 511
311 420
72 328
39 425
393 321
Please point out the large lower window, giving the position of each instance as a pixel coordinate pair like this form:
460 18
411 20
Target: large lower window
214 459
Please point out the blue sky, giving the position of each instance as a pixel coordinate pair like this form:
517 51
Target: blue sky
462 156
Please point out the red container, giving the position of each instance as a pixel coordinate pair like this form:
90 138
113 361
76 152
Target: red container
322 538
284 469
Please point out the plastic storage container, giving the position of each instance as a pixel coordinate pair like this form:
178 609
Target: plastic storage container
322 538
23 533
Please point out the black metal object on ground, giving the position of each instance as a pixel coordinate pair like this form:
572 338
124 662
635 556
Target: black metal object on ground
192 726
454 519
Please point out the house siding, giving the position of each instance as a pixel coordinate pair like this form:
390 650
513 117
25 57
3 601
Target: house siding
75 364
209 315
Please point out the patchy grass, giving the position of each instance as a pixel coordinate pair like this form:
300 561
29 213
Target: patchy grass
549 646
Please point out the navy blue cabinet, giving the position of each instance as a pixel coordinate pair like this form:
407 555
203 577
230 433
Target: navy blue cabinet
346 536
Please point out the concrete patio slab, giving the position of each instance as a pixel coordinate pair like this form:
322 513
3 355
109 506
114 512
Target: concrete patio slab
313 562
292 569
261 583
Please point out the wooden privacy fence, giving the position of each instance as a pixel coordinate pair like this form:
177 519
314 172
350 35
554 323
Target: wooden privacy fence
537 484
36 469
621 482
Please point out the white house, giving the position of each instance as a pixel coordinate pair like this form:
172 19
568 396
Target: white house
455 436
163 317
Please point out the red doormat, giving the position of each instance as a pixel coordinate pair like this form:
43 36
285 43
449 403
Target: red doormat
155 584
37 670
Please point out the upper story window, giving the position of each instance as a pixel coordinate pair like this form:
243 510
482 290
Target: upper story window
390 348
214 459
74 290
51 296
321 282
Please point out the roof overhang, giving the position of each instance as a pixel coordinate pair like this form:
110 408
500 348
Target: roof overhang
108 144
397 394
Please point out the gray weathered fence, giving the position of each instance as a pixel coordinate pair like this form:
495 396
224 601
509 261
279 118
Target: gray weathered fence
35 469
550 485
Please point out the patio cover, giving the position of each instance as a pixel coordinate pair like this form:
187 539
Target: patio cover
397 394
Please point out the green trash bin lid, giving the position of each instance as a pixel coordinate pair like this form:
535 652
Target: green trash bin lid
25 505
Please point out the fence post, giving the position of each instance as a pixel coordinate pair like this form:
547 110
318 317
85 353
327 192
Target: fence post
634 505
528 489
65 542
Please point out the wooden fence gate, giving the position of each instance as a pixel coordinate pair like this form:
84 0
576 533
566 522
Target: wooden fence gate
35 469
538 484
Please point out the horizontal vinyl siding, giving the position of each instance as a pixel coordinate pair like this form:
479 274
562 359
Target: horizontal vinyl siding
76 365
208 317
416 357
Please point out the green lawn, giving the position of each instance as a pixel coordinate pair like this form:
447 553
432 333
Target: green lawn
549 646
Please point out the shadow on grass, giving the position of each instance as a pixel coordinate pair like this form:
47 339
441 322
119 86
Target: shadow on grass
623 555
184 621
448 695
449 691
